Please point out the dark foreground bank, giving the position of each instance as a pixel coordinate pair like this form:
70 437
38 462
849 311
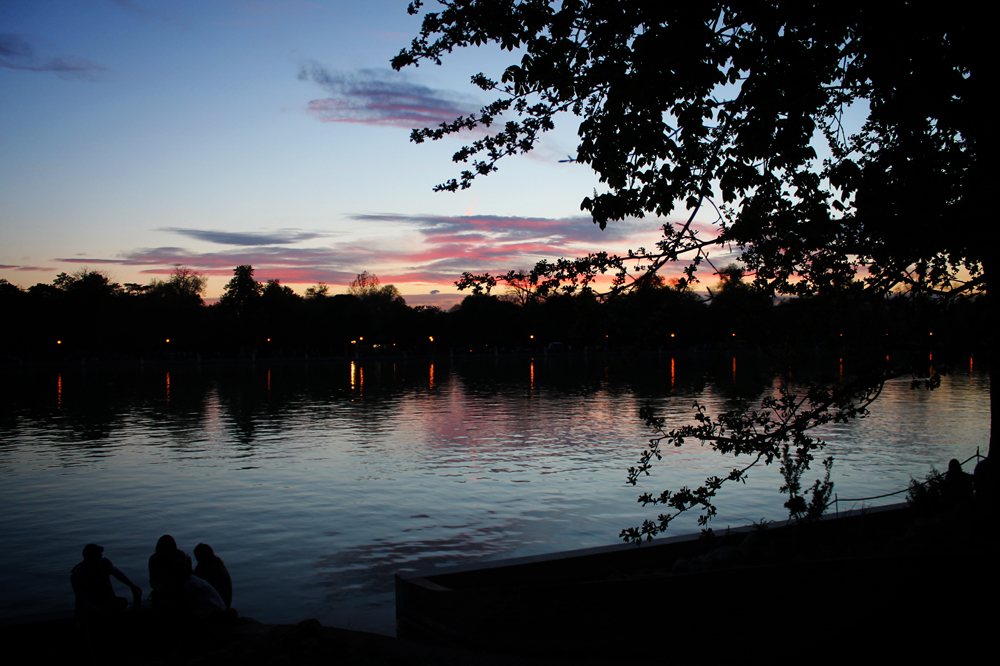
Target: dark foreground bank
249 643
891 586
886 585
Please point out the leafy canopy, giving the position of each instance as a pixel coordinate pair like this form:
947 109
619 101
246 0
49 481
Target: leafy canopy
745 108
242 290
366 286
724 104
184 285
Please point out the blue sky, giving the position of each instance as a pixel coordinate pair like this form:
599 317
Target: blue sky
136 135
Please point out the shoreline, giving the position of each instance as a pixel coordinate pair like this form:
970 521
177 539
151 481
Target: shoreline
946 545
247 643
458 354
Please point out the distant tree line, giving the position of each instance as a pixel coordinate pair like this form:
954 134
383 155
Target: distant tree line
87 316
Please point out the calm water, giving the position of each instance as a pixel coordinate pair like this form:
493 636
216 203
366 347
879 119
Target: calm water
316 483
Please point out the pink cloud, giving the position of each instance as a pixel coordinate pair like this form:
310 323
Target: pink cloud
448 247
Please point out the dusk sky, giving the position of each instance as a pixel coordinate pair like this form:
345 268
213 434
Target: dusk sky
137 135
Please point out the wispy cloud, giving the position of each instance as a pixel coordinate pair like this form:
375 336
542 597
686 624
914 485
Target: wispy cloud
16 53
87 260
249 238
37 269
491 242
426 249
382 97
16 267
497 228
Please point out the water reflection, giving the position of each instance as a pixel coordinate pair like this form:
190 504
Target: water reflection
353 470
251 401
369 567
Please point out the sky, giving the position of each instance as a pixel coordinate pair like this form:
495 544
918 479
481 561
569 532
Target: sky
138 135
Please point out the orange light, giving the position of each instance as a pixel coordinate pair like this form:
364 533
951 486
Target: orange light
58 342
168 339
431 338
361 338
673 335
269 339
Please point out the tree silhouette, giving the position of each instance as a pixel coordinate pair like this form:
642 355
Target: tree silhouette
367 287
365 284
723 106
692 102
242 290
87 285
318 290
184 285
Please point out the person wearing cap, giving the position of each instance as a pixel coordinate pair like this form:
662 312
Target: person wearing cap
91 580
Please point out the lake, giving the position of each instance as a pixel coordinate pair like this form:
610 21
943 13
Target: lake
316 482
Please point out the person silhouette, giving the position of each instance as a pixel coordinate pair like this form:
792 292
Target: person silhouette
958 485
212 569
166 575
202 602
91 581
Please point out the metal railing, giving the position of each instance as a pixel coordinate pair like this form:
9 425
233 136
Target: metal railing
836 500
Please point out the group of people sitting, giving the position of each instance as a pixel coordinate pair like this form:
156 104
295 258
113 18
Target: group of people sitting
204 593
177 589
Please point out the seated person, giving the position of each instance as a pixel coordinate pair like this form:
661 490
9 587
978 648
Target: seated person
91 580
166 574
203 602
212 569
958 485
